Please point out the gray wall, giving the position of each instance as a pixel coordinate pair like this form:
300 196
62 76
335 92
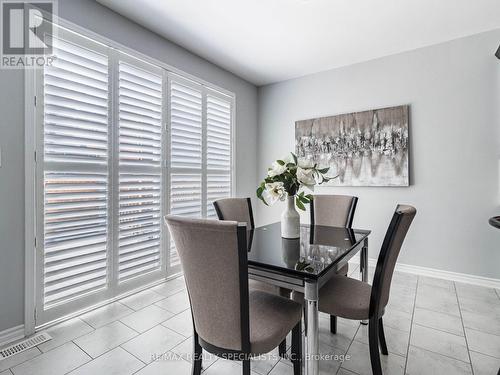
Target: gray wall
453 89
11 198
101 20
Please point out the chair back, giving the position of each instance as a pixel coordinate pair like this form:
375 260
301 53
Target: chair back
333 210
236 209
213 256
391 247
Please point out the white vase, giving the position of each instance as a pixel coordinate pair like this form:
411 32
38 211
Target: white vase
290 220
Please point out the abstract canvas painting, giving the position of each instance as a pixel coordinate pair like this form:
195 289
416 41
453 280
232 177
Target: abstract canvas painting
368 148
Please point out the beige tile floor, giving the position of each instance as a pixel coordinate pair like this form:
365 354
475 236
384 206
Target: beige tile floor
432 327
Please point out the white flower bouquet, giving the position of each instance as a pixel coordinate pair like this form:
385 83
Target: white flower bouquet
286 177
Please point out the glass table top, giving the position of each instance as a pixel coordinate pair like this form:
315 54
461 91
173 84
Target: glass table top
317 250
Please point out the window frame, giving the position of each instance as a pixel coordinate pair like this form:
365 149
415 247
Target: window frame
33 167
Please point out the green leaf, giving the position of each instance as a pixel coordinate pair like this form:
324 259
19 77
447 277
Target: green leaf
309 196
260 189
294 157
280 162
299 204
324 170
263 200
304 199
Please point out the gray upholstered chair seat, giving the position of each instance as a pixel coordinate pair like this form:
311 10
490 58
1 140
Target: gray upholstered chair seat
271 319
343 297
262 286
354 294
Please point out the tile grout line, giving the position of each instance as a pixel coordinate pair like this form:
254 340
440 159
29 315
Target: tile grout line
118 302
350 344
442 355
486 355
147 305
485 333
185 360
70 340
126 325
463 327
83 364
133 355
439 329
438 312
411 324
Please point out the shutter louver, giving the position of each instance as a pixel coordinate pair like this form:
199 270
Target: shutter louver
140 176
75 173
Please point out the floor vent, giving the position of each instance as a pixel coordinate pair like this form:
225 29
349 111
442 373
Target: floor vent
24 345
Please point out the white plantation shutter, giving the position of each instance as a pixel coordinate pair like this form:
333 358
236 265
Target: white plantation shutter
200 150
140 170
120 143
185 125
219 112
218 133
186 115
75 173
218 186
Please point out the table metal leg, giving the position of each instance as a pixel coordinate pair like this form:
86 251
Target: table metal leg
312 338
364 266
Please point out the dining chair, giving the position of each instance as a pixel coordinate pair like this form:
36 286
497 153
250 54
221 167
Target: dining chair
229 320
353 299
335 211
240 210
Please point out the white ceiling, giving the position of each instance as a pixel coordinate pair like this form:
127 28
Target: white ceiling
266 41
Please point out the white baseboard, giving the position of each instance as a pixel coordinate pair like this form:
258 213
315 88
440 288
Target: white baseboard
439 274
11 334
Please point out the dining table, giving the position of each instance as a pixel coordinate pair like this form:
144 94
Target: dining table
304 265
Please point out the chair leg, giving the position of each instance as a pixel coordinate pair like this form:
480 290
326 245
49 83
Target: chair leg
373 337
333 324
246 367
381 337
282 349
198 355
304 314
297 349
